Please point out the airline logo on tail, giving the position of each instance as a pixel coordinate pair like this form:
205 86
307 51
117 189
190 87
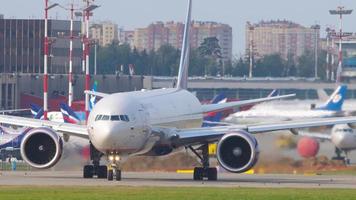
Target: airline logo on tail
92 99
36 111
336 100
69 116
214 116
274 93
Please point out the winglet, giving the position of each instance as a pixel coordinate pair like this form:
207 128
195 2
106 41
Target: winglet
184 59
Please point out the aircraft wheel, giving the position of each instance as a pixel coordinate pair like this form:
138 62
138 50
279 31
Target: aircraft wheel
88 171
102 172
198 174
212 174
118 175
110 175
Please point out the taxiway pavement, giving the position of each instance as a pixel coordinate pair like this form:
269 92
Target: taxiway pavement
160 179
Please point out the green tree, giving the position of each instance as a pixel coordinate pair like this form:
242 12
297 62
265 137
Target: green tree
210 47
270 65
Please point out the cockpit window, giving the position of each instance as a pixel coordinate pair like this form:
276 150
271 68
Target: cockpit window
115 118
98 117
127 118
123 118
105 118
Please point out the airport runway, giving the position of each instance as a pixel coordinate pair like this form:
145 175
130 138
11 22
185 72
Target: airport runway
158 179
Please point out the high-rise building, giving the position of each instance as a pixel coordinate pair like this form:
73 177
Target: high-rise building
126 37
105 33
22 43
282 37
159 33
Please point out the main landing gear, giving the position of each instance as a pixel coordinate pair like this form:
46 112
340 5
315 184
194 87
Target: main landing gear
114 169
206 171
338 156
100 171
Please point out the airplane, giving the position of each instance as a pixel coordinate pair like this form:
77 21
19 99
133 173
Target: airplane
331 108
78 116
214 118
154 122
342 136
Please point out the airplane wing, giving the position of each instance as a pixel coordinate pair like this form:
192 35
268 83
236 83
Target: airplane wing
65 128
219 107
184 137
98 94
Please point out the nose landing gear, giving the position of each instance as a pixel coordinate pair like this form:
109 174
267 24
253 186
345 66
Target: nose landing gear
114 169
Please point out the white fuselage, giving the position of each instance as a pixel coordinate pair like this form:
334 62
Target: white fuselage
273 112
145 109
343 137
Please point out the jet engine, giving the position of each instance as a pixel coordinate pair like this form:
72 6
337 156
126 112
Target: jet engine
237 152
41 148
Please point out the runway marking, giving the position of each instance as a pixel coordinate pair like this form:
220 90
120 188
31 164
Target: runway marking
185 171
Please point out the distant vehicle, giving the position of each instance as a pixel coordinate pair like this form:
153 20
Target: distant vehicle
331 108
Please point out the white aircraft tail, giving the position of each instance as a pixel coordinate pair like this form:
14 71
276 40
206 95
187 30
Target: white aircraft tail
184 59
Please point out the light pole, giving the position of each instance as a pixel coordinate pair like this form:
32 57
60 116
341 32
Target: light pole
45 61
87 11
251 29
70 73
340 11
317 29
327 53
95 57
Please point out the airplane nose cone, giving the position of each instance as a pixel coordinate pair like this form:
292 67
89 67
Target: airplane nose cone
102 137
339 139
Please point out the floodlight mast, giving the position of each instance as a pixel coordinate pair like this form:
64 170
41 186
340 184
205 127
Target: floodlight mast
70 75
340 11
86 13
45 60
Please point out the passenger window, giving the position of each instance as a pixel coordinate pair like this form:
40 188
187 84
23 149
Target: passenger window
115 118
122 118
105 118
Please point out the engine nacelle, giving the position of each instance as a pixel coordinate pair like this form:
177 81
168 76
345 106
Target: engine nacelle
237 152
41 148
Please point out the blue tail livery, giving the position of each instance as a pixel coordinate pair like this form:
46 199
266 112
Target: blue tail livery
69 116
214 117
336 100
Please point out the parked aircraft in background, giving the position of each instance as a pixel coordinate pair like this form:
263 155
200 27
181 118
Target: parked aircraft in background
331 108
342 136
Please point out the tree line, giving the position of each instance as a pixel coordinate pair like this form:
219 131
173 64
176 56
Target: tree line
204 61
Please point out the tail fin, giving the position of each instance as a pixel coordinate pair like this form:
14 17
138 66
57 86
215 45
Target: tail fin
92 100
69 116
184 59
34 109
215 116
220 98
336 100
39 114
274 93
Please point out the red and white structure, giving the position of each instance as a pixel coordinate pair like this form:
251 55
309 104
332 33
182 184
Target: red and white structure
340 11
87 11
45 61
70 72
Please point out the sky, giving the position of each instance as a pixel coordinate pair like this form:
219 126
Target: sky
131 14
